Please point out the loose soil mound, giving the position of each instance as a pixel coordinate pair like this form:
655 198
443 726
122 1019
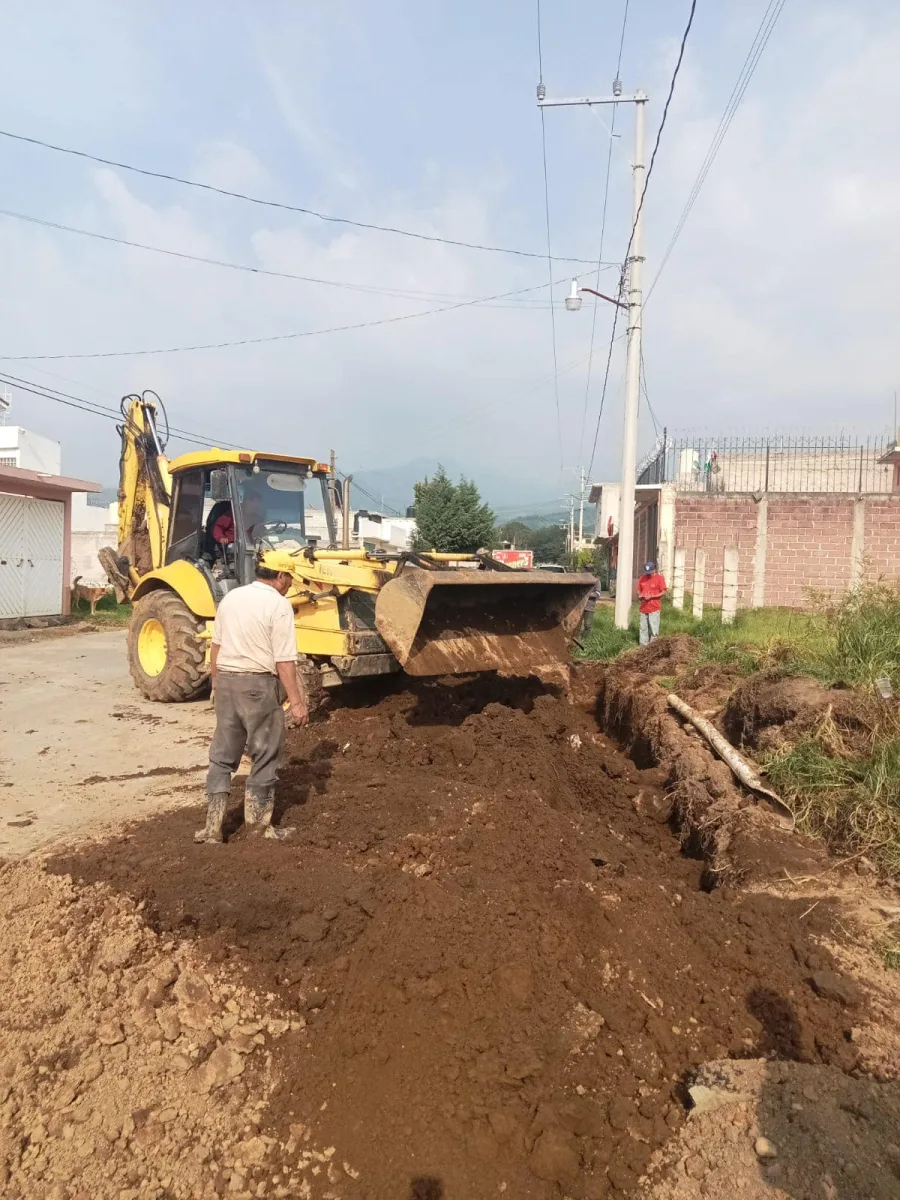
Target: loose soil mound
771 713
124 1061
504 963
782 1131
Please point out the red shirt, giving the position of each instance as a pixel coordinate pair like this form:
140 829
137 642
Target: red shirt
223 530
651 589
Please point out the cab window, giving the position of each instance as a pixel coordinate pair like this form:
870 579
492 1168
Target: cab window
186 520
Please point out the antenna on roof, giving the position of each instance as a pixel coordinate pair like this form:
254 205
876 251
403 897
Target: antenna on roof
5 405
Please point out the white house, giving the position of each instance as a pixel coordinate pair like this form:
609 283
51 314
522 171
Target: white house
93 527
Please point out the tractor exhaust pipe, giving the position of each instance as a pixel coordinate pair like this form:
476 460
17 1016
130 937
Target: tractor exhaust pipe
345 514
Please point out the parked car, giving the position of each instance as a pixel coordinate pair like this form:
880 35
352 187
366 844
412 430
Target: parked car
550 567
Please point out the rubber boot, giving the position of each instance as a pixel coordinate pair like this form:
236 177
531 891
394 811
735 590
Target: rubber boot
259 808
215 818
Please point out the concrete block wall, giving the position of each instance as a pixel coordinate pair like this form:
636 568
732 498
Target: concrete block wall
788 544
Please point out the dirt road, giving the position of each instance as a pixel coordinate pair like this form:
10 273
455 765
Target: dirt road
483 967
81 748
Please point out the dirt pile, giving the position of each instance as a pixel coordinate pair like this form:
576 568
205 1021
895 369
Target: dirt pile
782 1131
502 962
125 1061
770 713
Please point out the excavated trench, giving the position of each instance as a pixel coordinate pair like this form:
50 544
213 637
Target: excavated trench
506 961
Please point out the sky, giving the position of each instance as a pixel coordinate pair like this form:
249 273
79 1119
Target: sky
777 310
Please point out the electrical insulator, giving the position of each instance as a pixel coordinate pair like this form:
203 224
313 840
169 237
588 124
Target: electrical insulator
541 92
617 87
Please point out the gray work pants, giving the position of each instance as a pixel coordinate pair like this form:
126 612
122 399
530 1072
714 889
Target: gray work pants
649 627
587 620
248 716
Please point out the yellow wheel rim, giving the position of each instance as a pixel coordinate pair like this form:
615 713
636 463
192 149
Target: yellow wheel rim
152 647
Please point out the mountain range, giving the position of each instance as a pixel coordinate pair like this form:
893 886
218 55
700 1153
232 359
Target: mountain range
509 496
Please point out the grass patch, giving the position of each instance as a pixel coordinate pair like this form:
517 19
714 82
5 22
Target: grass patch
758 637
853 803
108 613
864 638
889 949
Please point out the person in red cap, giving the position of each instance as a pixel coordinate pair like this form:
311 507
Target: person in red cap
651 589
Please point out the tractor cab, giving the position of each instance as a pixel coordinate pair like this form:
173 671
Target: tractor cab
224 509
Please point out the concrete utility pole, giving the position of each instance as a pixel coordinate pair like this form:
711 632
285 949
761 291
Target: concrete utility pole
581 478
634 271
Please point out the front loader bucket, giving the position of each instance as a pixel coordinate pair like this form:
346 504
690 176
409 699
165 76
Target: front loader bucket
453 622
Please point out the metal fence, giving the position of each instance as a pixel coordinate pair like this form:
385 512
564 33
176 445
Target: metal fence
718 465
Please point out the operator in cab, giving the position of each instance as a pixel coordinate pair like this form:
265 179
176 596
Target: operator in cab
253 664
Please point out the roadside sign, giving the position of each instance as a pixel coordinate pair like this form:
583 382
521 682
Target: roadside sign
522 560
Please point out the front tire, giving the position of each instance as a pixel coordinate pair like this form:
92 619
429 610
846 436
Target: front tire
166 655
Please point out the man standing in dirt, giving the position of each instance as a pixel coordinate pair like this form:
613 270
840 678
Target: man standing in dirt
253 664
651 589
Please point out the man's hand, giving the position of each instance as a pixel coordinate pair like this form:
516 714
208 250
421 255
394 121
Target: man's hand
299 714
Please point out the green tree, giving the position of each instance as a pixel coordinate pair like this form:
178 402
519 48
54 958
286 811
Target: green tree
451 517
548 544
516 532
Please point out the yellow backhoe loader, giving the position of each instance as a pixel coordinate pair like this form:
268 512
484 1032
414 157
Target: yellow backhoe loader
193 528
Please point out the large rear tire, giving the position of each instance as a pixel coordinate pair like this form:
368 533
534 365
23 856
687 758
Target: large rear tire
166 655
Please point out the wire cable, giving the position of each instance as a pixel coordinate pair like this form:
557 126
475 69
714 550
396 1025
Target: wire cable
612 130
647 396
369 289
612 342
746 73
662 125
382 507
294 208
103 410
549 245
640 207
277 337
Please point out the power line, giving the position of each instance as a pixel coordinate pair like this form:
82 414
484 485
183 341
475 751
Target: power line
747 71
111 414
359 488
612 131
369 289
612 342
662 125
100 410
295 208
637 215
647 396
277 337
549 247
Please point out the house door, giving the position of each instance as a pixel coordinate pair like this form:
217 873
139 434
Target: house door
12 556
44 537
31 556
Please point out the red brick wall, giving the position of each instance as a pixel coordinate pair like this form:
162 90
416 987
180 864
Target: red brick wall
712 523
809 543
882 548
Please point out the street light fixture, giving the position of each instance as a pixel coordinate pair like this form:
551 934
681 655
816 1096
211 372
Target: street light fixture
573 300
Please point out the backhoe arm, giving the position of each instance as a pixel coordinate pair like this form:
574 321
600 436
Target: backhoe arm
145 489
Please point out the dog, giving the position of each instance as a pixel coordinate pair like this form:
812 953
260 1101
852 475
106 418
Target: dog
84 591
